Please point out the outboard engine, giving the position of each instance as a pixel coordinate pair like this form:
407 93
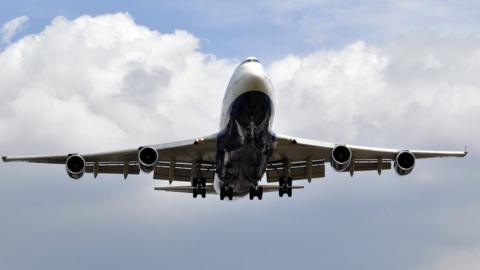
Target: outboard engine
147 159
341 158
75 165
404 162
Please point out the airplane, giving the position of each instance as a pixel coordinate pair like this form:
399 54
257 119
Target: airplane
232 162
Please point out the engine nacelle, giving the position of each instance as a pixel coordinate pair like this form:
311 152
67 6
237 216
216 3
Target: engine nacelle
147 159
341 158
75 165
404 162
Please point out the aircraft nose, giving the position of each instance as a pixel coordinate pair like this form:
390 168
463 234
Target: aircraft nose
255 78
250 60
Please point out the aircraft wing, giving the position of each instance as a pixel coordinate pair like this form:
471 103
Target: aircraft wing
176 160
305 158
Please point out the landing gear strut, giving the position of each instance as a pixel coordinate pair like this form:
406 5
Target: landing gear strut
226 192
199 185
285 186
256 191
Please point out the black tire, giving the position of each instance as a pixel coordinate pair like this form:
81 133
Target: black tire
260 193
230 193
195 193
289 181
204 193
204 182
280 192
252 193
222 193
289 192
194 182
281 181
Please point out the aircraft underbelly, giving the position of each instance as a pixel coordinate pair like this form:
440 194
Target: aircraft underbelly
245 145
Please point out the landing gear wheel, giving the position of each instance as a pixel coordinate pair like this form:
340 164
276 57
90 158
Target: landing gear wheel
289 182
194 182
281 181
285 186
222 193
256 192
200 187
226 192
260 193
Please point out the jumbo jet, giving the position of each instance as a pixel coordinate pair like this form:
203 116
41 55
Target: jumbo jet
232 162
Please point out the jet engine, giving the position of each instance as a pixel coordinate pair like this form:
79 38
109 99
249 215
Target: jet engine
404 162
341 158
147 159
75 166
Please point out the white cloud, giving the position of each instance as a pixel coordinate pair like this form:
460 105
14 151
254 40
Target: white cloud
427 89
10 28
100 82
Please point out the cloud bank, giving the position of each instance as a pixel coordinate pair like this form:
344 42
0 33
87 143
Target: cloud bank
128 84
99 83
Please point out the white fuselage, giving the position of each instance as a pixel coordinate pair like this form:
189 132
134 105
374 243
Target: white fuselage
248 76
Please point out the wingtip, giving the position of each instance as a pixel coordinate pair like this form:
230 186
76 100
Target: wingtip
4 158
466 151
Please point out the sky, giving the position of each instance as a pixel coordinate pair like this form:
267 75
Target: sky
84 77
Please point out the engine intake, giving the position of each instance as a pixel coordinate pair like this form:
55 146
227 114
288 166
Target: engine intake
75 165
147 159
341 158
404 162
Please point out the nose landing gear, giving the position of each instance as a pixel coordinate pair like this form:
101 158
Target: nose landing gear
226 192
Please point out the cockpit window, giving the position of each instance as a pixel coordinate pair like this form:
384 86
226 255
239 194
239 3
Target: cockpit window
250 60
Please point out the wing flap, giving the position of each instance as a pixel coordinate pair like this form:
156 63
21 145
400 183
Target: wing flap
299 170
112 169
175 171
360 166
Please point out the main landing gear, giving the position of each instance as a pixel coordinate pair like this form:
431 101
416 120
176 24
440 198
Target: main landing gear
285 186
226 192
256 191
200 187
